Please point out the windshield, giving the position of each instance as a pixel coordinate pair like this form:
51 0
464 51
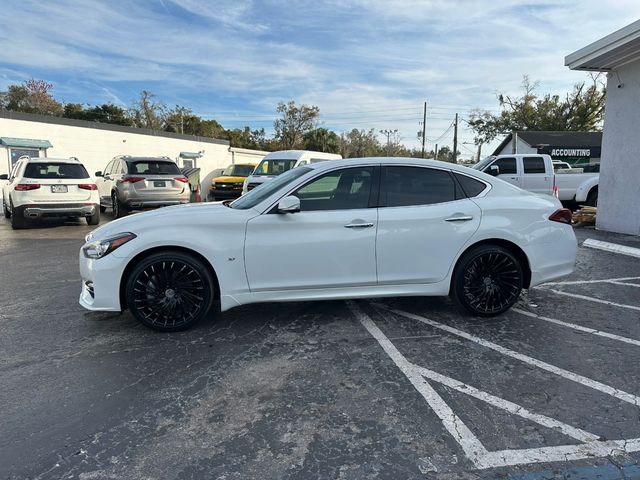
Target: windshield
154 167
238 171
483 163
264 191
274 166
55 170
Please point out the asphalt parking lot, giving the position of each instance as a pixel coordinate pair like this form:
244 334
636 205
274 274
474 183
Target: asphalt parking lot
394 388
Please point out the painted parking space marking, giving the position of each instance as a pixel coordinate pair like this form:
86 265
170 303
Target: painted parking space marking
626 284
580 328
592 299
474 450
611 247
587 382
585 282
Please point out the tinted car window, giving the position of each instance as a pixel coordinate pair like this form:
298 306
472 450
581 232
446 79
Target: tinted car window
274 166
55 170
533 164
471 186
344 189
404 186
506 165
153 167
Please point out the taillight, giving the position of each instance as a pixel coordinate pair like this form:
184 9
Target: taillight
562 215
88 186
182 179
21 187
130 179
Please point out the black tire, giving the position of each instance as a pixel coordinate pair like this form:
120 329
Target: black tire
103 209
17 221
7 213
119 208
94 219
170 291
487 281
592 198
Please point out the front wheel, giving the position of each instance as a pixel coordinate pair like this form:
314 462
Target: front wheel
170 291
487 281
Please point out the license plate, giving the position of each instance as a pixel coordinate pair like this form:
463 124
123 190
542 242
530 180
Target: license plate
58 189
159 184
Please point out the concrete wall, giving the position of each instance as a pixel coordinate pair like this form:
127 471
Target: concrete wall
619 186
95 144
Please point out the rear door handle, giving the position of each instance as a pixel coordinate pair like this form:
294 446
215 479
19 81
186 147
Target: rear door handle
358 225
459 219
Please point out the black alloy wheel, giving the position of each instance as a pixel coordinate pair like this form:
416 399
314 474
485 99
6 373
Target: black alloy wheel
487 281
119 210
170 291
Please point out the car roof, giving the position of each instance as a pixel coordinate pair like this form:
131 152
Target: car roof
146 159
52 159
391 161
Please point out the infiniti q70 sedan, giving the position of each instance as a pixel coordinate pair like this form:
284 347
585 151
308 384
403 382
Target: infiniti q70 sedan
356 228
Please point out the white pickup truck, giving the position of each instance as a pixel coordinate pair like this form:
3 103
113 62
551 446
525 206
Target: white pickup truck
535 173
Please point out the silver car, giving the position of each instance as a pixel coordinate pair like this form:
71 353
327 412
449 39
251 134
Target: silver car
134 183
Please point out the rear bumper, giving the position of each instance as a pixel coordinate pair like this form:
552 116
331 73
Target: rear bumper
155 203
54 210
552 260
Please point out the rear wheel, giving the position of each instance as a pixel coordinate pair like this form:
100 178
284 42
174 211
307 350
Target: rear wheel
119 209
592 198
94 219
487 280
7 213
17 220
103 209
170 291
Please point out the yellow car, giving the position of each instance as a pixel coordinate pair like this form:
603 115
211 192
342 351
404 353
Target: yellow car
229 184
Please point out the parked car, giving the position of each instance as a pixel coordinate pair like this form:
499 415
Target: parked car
370 227
135 183
275 163
49 188
229 183
536 173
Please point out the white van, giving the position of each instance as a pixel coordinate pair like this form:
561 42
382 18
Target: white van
275 163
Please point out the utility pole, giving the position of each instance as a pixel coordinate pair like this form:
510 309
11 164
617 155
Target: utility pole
479 150
455 140
424 127
435 155
388 133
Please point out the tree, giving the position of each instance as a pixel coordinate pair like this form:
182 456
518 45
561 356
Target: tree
580 110
33 96
359 143
294 123
148 112
322 140
105 113
183 120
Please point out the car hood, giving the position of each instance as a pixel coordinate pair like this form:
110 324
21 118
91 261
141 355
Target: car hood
229 179
174 215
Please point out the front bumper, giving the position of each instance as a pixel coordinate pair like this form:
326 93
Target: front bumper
100 288
56 210
224 194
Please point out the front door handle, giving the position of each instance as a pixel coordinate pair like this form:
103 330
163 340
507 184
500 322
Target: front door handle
358 225
459 219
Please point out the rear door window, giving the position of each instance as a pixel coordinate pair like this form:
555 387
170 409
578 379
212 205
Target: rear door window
533 165
55 170
405 186
471 186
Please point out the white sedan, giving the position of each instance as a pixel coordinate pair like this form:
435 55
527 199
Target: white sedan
357 228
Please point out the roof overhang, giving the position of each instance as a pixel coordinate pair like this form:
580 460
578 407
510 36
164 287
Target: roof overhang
24 142
608 53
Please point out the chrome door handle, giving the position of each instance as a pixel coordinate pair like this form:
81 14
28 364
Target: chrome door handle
358 225
459 219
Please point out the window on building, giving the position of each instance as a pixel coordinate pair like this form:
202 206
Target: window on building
16 153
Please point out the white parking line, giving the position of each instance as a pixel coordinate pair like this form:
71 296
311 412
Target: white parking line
611 247
626 284
592 299
470 444
587 382
580 328
581 282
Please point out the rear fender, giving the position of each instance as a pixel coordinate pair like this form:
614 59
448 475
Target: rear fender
584 188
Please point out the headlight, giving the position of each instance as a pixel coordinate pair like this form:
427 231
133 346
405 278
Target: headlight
213 184
100 248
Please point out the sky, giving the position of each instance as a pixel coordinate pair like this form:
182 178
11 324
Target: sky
365 63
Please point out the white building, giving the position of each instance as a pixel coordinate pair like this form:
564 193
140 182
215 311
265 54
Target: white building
576 148
617 54
95 144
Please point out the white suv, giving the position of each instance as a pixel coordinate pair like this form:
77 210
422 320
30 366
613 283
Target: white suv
49 187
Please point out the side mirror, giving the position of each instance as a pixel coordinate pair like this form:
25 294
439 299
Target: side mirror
98 174
290 204
4 176
494 170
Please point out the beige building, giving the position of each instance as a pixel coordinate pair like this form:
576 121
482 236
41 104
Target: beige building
94 144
